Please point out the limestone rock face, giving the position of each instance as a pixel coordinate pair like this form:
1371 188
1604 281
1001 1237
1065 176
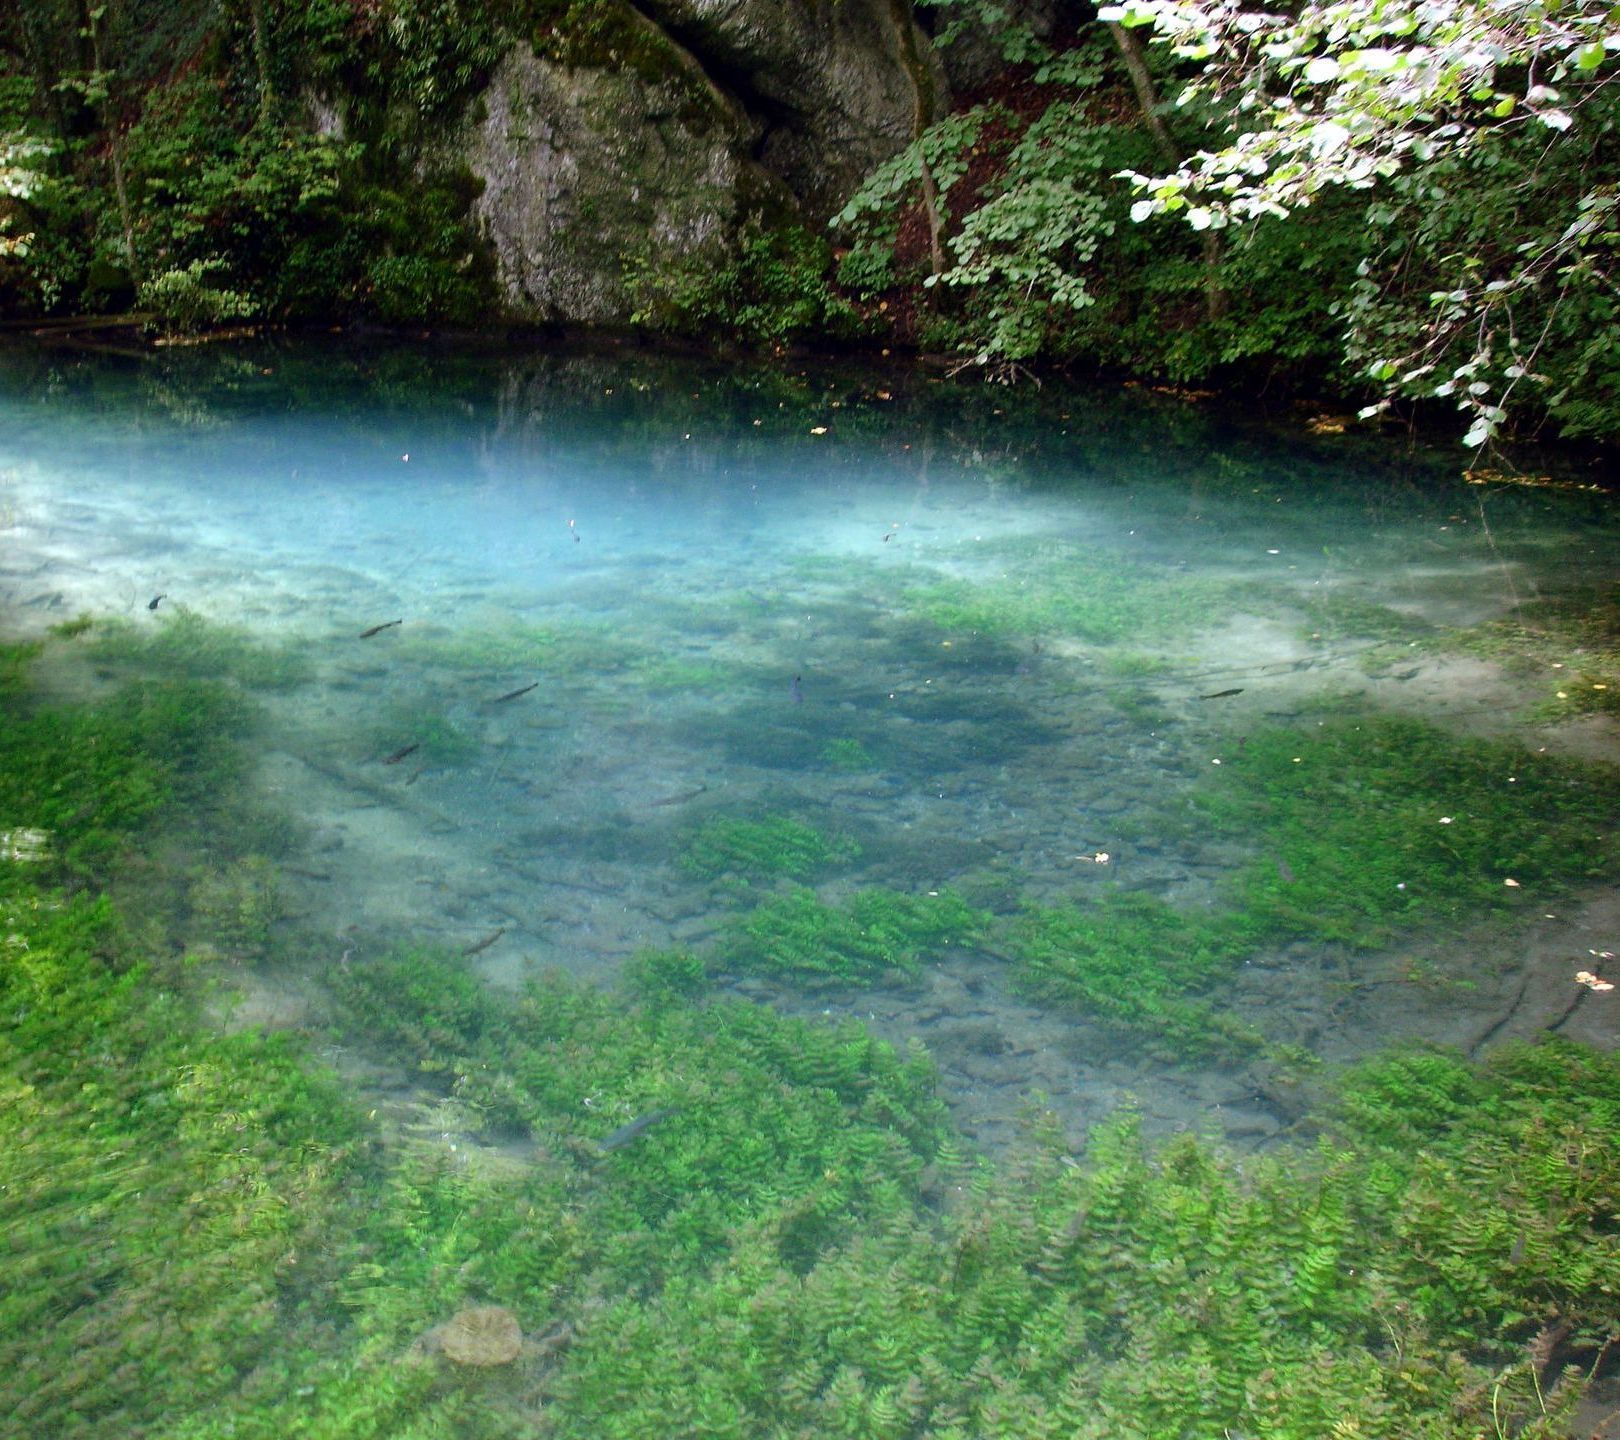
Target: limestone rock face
586 169
721 113
838 86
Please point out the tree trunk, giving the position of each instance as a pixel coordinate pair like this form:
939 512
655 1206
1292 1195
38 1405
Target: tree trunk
923 116
261 62
1147 100
113 124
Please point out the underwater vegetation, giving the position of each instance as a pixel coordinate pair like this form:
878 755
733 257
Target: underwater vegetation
1569 642
775 847
710 1220
501 645
848 756
232 909
1165 1291
1136 962
1089 593
181 644
877 933
89 775
1359 829
1364 825
1340 616
433 736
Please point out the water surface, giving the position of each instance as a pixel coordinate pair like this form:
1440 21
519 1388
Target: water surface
692 658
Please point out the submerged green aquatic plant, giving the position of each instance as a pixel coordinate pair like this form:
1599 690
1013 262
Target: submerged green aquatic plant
182 644
505 646
1091 594
1340 616
774 847
436 737
850 756
1569 644
89 775
1133 960
1366 824
209 1236
233 907
877 932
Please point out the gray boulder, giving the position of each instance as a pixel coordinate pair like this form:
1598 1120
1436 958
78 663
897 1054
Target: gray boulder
718 116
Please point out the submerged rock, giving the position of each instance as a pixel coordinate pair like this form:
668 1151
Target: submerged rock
481 1335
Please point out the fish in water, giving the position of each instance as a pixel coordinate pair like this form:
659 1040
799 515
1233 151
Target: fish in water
626 1133
796 690
680 799
154 602
399 755
1221 694
479 946
378 629
513 694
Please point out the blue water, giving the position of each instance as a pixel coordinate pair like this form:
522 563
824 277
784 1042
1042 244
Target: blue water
855 599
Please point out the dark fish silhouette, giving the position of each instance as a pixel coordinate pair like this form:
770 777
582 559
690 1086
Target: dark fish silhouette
680 799
1221 694
513 694
626 1133
479 946
399 755
152 604
378 629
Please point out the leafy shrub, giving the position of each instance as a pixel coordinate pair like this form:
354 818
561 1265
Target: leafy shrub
771 288
183 300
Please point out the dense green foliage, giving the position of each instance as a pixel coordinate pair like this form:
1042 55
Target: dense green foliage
1374 823
284 160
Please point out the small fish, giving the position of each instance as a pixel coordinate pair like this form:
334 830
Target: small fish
1285 872
513 694
153 603
1221 694
680 799
378 629
479 946
626 1133
888 537
399 755
796 690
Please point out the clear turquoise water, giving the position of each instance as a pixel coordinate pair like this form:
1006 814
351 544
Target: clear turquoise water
987 641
